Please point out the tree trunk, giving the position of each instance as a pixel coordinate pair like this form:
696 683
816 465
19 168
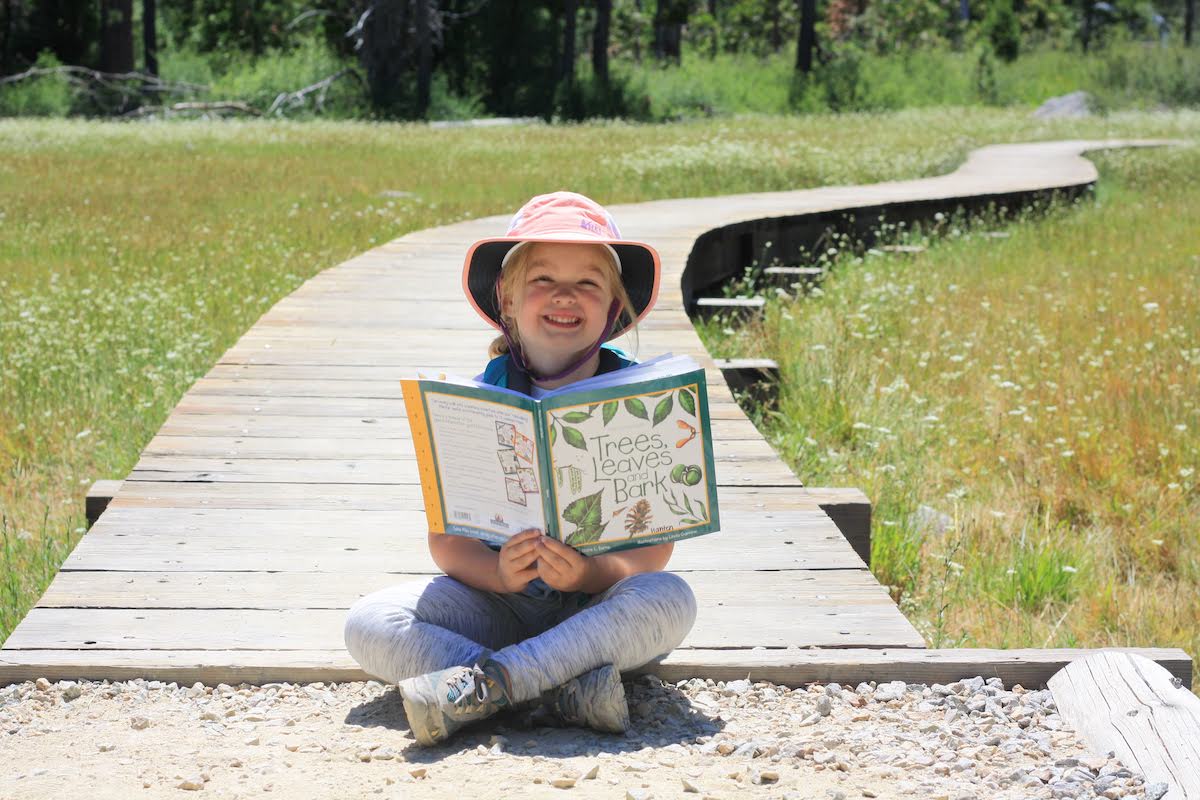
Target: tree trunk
6 39
424 55
964 10
669 19
116 36
1086 33
776 32
1189 22
566 69
150 36
600 41
808 36
712 12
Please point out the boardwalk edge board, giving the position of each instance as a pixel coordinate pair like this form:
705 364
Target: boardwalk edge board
849 667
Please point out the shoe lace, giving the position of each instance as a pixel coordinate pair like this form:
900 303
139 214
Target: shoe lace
472 682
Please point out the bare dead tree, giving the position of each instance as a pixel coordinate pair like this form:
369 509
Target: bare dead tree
389 49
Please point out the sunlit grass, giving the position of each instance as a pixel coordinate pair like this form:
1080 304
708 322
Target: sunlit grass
133 255
1024 412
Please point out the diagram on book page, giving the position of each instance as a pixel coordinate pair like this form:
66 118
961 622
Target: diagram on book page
630 468
484 486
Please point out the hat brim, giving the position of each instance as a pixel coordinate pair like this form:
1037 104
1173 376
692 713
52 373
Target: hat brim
640 270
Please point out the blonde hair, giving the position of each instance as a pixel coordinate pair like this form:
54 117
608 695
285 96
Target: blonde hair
513 277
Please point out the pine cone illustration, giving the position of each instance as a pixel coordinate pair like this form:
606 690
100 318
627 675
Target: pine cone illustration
638 519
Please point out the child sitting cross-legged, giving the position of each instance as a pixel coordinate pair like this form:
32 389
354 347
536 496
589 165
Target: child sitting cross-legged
534 620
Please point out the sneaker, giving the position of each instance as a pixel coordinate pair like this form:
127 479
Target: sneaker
594 700
439 703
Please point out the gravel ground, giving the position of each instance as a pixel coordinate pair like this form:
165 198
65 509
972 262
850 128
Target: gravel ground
970 739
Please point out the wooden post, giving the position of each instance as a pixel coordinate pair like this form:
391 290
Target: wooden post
741 308
757 377
98 498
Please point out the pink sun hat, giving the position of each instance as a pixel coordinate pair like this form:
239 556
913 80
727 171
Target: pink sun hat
561 217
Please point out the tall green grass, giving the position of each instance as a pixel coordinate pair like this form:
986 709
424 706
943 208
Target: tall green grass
133 255
1022 411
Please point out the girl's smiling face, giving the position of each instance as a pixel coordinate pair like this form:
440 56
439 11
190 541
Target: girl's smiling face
561 305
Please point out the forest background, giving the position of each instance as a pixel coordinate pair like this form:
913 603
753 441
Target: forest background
576 59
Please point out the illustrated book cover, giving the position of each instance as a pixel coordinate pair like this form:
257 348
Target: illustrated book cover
620 460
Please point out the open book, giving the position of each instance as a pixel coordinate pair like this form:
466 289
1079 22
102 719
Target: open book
620 460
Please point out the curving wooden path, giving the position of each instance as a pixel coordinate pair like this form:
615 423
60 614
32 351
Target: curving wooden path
282 487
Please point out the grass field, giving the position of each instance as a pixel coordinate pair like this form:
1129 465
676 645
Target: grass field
1023 410
132 256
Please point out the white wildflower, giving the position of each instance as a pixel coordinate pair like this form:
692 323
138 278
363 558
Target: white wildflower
1069 568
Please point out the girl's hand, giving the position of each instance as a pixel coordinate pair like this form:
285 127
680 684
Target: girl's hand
517 556
561 566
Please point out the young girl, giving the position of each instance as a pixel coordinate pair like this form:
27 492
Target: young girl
534 619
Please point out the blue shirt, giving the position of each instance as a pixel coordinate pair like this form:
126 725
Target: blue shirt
500 371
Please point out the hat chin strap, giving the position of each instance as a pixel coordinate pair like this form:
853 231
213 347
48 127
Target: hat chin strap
518 357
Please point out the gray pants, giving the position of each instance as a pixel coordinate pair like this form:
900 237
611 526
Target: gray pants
421 627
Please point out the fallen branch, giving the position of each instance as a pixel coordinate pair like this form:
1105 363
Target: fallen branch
84 77
219 105
289 100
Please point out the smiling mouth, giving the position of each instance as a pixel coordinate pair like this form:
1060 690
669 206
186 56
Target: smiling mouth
565 321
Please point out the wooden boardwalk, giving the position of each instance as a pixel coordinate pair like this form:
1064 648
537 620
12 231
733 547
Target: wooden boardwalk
283 487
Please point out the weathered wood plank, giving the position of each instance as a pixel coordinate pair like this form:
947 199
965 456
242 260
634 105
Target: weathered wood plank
392 471
1128 704
173 538
816 593
791 667
252 447
794 667
724 621
166 494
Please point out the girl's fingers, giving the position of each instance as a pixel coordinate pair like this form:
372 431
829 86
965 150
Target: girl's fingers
552 552
523 560
519 549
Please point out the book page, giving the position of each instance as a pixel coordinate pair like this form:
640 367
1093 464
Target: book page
630 469
486 464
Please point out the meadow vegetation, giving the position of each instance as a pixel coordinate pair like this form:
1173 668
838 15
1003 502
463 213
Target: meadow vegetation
1022 410
133 255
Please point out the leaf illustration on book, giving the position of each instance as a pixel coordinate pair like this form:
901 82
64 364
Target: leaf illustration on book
585 512
608 411
588 518
636 407
576 416
585 536
663 409
553 434
687 402
574 438
639 518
